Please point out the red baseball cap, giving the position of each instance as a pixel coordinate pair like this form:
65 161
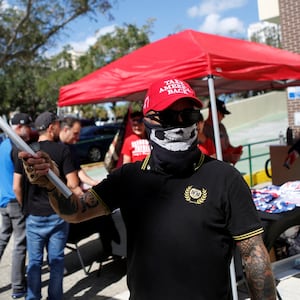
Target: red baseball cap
164 92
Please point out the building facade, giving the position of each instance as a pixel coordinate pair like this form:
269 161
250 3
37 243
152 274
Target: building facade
289 11
286 13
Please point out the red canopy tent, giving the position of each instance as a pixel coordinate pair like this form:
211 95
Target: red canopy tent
212 64
236 65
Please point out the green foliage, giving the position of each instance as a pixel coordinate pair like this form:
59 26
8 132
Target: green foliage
31 27
112 46
108 48
28 80
120 110
122 41
137 106
269 35
27 30
92 111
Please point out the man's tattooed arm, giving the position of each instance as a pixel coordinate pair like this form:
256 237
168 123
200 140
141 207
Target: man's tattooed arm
77 208
257 268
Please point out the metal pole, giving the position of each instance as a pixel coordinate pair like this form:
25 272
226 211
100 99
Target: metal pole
21 145
213 106
212 96
250 165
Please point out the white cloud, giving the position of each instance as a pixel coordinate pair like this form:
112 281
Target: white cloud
227 26
207 7
83 46
4 5
214 22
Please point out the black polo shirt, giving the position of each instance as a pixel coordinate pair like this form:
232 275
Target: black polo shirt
181 230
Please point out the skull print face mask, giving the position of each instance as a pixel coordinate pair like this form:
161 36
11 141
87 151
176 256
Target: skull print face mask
174 149
174 139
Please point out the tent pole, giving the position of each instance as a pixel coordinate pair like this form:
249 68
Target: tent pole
213 105
212 97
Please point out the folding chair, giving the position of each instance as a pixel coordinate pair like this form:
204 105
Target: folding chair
108 233
80 231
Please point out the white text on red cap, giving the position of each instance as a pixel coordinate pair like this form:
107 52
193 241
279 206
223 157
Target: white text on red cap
175 87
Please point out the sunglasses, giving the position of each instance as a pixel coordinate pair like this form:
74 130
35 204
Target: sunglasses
169 117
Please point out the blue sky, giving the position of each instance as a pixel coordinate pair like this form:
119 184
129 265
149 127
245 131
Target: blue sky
223 17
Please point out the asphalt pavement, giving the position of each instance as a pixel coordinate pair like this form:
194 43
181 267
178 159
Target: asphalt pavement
108 280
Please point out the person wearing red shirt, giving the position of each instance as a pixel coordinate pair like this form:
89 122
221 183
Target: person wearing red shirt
136 146
205 144
230 153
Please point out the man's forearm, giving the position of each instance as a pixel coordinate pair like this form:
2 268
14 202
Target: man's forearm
261 281
77 209
258 269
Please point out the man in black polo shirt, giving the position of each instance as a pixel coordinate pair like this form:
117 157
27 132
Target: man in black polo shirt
184 211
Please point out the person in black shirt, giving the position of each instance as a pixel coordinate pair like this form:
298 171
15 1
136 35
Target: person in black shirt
69 135
70 128
44 228
184 211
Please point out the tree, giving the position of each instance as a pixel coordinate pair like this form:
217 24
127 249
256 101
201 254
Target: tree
269 34
122 41
111 46
21 92
33 85
27 30
107 48
31 27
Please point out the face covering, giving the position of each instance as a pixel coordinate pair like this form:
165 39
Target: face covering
174 149
174 139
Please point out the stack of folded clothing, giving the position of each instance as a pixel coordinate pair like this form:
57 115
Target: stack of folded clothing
271 200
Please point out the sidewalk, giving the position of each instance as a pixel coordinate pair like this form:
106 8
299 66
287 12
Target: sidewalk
111 282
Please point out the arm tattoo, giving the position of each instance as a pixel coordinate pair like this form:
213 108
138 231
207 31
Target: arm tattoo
78 208
88 200
66 206
257 268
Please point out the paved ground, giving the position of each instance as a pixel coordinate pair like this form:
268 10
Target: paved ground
110 282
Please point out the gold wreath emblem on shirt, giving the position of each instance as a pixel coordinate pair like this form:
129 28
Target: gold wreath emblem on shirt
194 195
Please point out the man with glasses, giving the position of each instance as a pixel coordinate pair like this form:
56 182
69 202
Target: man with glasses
184 211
